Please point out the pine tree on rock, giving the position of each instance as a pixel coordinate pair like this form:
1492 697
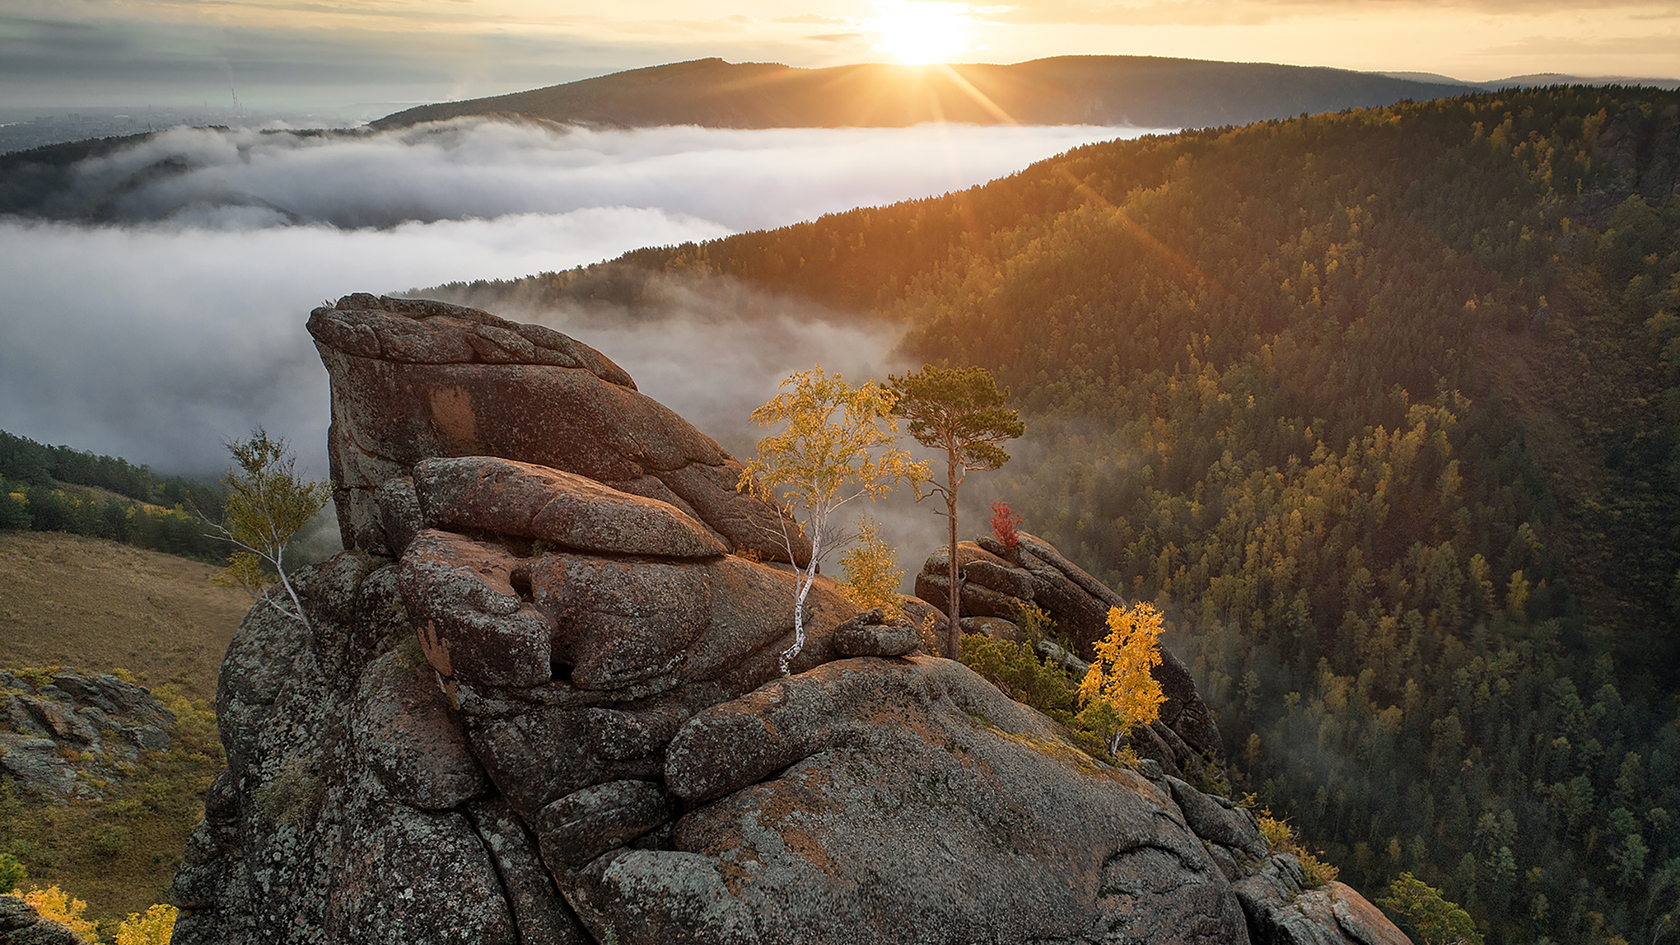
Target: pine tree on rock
960 412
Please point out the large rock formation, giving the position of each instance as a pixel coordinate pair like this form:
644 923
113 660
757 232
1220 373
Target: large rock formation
419 379
534 706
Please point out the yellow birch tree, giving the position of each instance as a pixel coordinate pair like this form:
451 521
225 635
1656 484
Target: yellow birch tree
836 447
1119 691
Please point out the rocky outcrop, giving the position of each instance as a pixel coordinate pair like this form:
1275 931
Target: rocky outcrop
1282 912
556 717
999 583
64 734
416 379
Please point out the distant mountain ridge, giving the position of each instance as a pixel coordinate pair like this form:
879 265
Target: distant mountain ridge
1540 80
1142 91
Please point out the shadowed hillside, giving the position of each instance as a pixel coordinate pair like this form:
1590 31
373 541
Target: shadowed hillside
1141 91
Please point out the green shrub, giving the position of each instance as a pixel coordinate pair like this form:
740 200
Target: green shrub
1316 873
14 508
1431 917
1016 669
12 873
1278 834
113 841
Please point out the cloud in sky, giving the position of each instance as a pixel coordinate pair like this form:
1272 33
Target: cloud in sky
1252 12
1466 39
56 59
476 168
156 341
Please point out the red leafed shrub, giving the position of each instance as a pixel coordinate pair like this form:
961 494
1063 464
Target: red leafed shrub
1004 521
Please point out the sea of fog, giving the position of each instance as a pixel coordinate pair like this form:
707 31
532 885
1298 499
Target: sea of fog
160 338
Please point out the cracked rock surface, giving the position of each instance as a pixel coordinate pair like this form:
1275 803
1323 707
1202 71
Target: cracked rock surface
533 706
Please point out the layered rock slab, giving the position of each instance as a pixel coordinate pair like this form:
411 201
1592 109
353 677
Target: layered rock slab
554 507
905 800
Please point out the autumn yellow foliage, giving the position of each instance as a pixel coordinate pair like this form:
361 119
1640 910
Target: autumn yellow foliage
156 927
837 447
872 572
55 904
1119 692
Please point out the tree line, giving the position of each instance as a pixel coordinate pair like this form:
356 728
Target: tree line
39 491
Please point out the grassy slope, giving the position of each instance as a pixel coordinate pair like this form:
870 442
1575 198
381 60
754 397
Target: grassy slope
98 606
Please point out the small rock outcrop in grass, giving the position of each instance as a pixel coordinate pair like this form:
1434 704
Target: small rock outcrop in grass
66 734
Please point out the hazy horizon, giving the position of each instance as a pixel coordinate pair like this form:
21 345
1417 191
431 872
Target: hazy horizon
288 107
174 53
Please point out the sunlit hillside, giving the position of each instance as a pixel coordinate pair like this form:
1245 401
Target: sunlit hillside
1383 408
91 606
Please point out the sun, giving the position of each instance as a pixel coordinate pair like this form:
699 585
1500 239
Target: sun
918 32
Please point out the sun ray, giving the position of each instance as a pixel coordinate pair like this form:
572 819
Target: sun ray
981 98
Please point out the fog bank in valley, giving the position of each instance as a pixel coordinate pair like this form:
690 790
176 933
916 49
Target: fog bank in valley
477 168
181 325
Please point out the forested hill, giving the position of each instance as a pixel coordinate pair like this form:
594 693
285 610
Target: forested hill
1143 91
1383 407
60 489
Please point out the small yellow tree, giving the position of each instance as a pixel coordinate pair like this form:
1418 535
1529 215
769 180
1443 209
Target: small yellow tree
872 571
1119 691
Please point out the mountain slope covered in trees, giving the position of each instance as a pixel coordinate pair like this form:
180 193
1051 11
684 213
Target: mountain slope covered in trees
60 489
1383 409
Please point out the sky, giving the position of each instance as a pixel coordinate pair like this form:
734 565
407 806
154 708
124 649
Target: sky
293 53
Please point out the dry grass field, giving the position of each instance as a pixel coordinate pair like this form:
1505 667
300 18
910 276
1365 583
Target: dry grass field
95 605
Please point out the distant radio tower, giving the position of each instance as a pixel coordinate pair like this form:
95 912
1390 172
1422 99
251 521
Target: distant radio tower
236 108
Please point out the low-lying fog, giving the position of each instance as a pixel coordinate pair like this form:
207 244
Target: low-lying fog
160 338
